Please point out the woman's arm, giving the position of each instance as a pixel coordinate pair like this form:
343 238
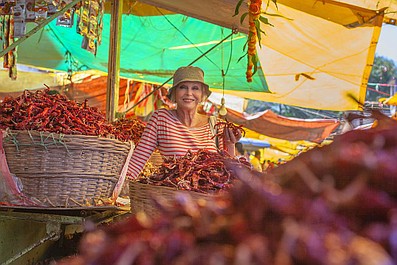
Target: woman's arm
145 147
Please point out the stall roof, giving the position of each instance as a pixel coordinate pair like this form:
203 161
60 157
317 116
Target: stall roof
315 56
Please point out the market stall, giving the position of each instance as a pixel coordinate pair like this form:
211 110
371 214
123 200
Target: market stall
287 86
24 175
334 205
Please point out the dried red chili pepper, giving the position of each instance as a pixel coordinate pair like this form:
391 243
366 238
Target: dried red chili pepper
43 110
201 171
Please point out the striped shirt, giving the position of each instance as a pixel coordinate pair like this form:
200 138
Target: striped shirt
172 138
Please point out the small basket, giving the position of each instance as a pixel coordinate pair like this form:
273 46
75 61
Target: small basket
65 170
142 201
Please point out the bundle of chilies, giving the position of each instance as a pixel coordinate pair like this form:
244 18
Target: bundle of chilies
200 171
332 205
129 129
48 111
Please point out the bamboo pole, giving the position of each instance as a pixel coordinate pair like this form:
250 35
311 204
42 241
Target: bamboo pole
112 92
40 26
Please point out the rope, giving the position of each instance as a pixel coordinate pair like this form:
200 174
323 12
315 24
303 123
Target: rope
224 73
175 27
377 91
12 137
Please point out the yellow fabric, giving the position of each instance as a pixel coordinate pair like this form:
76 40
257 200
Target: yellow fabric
290 147
274 155
390 5
389 101
256 164
332 42
280 148
337 59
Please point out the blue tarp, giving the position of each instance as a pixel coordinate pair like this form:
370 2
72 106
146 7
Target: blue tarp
249 142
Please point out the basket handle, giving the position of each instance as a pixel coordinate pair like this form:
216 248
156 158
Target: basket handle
123 174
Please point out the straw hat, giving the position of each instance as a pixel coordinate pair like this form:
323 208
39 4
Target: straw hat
188 73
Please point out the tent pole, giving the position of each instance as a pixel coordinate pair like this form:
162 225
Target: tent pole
112 92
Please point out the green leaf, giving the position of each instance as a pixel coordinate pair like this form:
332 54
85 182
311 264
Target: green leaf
245 45
255 62
243 17
264 20
237 8
258 32
239 59
275 15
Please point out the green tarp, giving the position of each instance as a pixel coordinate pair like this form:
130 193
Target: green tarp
152 48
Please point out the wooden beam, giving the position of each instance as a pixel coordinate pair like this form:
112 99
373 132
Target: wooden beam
112 92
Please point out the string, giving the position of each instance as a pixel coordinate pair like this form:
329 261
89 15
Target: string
224 73
222 110
175 27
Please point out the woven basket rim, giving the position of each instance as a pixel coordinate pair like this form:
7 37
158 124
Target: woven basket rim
9 132
49 165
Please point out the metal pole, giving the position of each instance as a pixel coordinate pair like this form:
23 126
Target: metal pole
112 92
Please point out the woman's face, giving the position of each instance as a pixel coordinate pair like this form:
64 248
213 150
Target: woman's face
188 95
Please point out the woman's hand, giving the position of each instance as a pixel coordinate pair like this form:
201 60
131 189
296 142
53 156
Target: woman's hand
229 136
229 140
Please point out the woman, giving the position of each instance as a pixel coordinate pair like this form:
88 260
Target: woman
174 132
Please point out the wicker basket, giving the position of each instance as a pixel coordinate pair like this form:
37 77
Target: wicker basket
141 196
65 170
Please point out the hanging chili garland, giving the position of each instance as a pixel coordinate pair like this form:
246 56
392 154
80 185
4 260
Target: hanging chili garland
254 33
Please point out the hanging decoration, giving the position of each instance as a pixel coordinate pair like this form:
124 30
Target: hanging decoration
90 24
14 14
254 34
222 110
7 20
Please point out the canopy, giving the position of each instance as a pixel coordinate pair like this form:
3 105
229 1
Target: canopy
331 42
271 124
315 56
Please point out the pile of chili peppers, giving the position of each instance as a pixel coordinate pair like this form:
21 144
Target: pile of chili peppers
46 110
129 129
202 171
332 205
